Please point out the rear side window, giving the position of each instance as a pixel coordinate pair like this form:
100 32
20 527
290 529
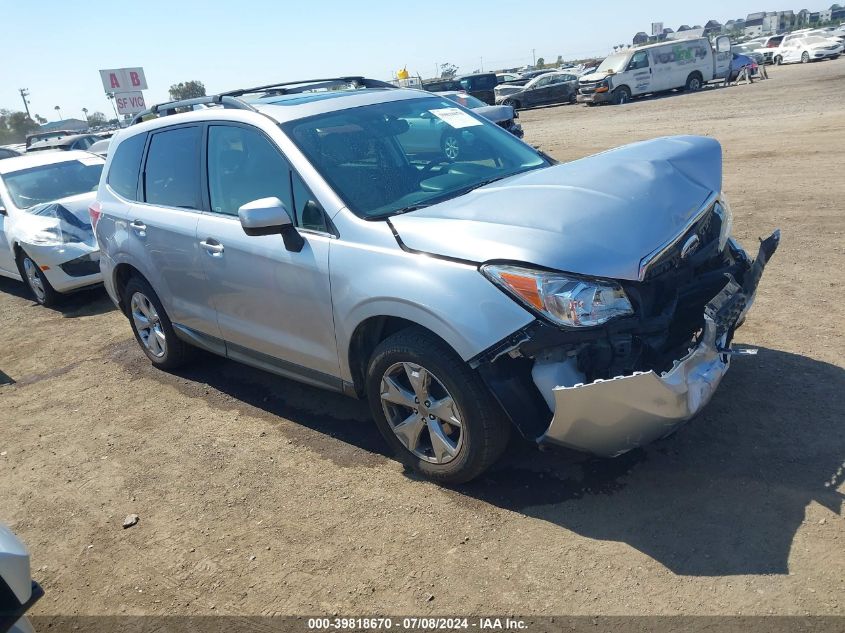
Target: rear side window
125 165
172 171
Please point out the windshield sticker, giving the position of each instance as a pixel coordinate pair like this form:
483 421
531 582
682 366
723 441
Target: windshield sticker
455 117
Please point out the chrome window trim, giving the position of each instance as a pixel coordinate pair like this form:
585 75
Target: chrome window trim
648 260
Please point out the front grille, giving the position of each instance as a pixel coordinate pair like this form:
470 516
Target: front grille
588 88
707 229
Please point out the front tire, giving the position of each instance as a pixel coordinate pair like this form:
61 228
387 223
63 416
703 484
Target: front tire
805 57
621 95
37 282
432 409
152 327
778 60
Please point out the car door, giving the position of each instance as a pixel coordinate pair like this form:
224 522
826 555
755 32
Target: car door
163 223
639 73
540 92
273 305
7 257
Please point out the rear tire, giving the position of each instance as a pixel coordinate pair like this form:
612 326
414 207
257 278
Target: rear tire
413 373
512 103
152 327
36 281
778 60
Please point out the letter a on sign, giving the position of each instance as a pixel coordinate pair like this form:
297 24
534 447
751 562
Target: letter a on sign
113 80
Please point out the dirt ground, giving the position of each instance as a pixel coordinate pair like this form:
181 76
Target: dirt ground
257 495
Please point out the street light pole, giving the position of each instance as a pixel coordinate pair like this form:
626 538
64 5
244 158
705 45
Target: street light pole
24 94
534 55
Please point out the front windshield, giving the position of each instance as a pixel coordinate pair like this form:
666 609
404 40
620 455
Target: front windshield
613 62
46 183
394 157
468 101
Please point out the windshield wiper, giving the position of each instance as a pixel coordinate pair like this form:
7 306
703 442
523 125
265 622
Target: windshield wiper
438 199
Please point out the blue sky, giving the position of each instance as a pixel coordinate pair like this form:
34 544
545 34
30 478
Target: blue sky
55 47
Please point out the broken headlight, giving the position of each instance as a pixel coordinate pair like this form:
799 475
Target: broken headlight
723 210
564 299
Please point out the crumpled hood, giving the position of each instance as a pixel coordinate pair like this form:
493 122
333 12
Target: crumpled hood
495 113
62 221
597 216
593 77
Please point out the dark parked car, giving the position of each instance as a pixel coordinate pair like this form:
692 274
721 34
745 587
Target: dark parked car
502 115
441 85
524 78
480 86
547 88
8 152
66 143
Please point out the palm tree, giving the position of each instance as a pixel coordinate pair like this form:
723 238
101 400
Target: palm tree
59 110
85 112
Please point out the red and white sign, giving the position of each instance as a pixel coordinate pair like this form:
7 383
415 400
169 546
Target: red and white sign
129 102
123 79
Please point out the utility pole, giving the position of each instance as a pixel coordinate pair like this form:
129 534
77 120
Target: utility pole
534 55
482 64
24 94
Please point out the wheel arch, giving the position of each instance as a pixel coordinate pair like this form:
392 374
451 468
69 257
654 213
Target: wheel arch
369 333
121 275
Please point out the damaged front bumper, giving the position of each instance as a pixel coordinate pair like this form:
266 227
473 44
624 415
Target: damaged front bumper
610 417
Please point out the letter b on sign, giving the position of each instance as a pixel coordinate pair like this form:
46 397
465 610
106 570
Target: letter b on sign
135 79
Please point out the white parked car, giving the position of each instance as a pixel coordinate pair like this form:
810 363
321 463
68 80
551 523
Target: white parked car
46 239
806 50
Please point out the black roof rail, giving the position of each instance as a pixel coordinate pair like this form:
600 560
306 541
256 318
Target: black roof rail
230 99
304 85
169 107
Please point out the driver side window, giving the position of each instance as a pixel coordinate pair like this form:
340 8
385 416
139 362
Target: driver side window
639 61
244 165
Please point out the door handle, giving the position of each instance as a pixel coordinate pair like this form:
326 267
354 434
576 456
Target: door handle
139 227
212 247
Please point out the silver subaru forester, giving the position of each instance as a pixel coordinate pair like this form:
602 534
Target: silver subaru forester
322 231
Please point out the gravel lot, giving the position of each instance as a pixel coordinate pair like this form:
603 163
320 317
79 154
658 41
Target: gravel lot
257 495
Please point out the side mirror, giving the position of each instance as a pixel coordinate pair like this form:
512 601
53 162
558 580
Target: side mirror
3 210
269 216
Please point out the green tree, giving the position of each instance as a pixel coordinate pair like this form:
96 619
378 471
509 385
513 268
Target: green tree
40 119
14 126
448 71
187 90
541 63
96 118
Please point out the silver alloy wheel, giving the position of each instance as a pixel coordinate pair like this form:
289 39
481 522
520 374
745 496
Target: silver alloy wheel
422 413
451 147
148 325
33 278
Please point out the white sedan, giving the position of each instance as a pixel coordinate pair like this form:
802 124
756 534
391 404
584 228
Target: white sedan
46 239
806 49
